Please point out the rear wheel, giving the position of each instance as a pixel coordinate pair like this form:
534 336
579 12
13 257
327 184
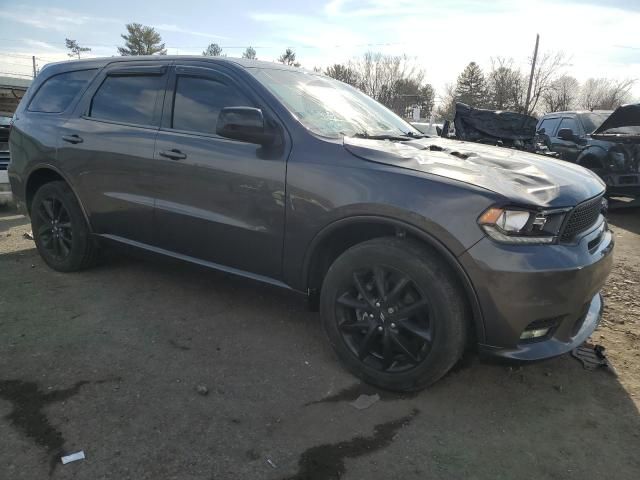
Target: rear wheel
60 230
394 314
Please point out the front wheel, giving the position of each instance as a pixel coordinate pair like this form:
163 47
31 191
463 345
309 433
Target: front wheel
394 313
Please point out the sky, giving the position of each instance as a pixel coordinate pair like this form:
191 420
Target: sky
441 37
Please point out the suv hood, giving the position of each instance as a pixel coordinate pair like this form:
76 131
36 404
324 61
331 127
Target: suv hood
623 116
522 177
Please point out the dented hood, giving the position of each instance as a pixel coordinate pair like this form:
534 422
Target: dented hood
523 178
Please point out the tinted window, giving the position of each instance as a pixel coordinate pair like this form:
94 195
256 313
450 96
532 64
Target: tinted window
55 95
569 123
127 99
198 102
591 120
549 125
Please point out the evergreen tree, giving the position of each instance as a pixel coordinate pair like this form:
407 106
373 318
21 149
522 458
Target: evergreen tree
289 58
76 49
213 50
141 40
250 53
471 87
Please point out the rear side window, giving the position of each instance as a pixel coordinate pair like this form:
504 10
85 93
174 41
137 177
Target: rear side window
549 125
128 99
56 93
198 102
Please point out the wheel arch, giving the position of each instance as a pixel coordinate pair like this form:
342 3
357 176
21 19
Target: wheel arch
342 234
41 175
591 157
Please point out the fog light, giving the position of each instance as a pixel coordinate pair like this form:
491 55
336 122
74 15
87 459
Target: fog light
535 333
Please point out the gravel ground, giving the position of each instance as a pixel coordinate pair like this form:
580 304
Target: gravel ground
160 370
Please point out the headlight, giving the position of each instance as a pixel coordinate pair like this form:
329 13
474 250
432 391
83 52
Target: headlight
517 225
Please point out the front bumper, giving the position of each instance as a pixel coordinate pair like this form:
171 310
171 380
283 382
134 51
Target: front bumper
623 184
558 285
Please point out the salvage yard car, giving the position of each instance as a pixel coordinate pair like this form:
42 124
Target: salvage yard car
606 142
414 248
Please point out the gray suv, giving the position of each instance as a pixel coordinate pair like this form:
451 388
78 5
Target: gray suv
413 247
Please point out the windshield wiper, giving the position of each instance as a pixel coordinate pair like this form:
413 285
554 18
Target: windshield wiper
384 136
415 135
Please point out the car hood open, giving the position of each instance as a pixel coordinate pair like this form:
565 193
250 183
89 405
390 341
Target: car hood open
623 116
522 177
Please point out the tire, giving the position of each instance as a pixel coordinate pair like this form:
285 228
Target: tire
60 230
417 331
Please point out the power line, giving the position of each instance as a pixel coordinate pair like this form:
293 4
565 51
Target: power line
205 43
16 64
17 55
17 74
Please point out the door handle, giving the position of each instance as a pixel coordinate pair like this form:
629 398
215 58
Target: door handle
72 138
173 154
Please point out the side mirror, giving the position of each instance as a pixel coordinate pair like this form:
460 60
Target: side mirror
566 134
542 131
243 123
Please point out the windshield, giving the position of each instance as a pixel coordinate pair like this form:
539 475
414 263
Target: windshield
592 120
331 108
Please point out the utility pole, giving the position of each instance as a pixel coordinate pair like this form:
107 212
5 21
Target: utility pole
33 60
533 68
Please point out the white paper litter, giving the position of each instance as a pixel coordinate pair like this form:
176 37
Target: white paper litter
73 457
365 401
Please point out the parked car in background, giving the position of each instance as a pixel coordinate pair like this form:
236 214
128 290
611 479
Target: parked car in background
413 247
5 187
606 142
496 127
426 128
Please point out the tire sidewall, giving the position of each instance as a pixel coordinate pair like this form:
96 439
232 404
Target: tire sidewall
433 279
80 234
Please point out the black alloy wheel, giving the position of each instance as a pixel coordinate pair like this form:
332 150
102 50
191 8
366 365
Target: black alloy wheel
60 230
55 231
394 313
384 319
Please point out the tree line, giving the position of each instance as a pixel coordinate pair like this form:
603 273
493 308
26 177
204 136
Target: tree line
504 87
399 84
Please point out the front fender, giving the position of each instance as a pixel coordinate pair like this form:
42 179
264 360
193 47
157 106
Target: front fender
592 153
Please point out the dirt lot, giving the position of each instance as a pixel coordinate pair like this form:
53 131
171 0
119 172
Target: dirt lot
108 361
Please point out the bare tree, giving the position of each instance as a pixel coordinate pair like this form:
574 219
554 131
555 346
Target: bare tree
344 73
447 108
379 73
394 81
562 94
75 48
605 94
141 40
547 69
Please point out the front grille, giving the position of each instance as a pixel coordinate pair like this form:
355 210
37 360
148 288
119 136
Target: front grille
581 218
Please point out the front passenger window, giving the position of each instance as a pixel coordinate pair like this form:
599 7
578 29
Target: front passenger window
198 102
569 123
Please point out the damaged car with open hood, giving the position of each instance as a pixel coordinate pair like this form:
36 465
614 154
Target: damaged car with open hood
413 248
606 142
